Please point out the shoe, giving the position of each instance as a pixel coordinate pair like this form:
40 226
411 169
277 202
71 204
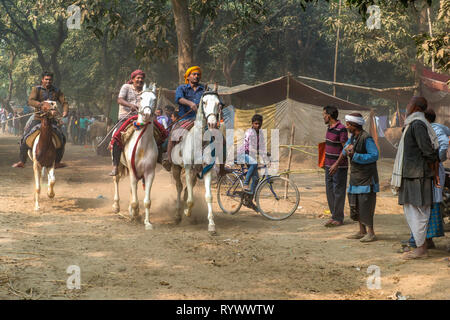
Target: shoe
167 165
327 224
369 238
19 164
356 236
60 165
114 172
253 206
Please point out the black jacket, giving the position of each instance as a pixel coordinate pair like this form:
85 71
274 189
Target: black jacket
418 152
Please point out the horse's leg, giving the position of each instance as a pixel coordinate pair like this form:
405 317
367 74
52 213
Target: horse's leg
176 173
51 182
37 180
116 204
190 190
147 201
134 201
208 198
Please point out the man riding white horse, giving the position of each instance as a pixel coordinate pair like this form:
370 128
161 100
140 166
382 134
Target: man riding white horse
187 96
44 92
129 99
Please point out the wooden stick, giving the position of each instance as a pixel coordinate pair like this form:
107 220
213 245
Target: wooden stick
290 159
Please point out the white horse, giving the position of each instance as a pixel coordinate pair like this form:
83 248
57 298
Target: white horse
43 153
184 153
139 158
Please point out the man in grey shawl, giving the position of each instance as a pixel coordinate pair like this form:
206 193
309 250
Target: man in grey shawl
412 176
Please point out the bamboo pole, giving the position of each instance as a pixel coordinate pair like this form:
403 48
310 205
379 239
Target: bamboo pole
337 48
431 35
290 158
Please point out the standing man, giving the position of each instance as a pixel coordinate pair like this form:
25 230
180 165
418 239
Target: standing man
413 176
435 224
364 184
336 183
39 94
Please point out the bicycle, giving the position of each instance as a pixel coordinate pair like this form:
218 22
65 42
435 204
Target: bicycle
276 197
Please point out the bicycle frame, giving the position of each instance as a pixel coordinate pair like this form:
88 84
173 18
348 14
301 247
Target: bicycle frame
241 173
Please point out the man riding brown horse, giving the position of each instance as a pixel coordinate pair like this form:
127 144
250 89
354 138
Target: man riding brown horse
44 92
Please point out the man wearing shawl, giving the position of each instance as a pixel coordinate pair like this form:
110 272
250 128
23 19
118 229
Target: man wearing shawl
128 100
412 176
364 185
435 224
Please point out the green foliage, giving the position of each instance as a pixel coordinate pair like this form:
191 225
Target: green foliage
235 41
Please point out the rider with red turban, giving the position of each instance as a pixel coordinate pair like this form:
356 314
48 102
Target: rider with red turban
128 100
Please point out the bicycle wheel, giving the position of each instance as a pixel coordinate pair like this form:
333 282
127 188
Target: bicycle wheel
277 198
229 193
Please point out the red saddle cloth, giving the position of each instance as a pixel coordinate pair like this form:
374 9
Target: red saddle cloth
160 136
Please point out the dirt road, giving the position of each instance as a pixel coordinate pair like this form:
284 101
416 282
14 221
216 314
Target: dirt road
250 258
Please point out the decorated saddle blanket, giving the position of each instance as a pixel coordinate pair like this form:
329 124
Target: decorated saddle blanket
176 134
58 136
124 133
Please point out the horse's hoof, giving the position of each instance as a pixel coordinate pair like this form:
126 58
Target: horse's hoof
51 195
116 209
37 208
148 227
211 228
213 233
188 210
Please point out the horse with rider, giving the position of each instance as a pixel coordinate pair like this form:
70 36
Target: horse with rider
46 91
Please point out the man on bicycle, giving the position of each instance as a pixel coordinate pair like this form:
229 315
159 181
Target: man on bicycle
248 152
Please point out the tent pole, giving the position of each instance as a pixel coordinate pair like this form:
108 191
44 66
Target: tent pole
336 50
290 159
431 35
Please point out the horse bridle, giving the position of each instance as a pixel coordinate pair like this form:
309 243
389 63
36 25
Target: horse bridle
211 114
48 111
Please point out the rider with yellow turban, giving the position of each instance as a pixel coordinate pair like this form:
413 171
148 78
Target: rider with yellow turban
188 95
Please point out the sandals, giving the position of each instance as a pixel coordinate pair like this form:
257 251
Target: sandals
412 256
356 236
369 238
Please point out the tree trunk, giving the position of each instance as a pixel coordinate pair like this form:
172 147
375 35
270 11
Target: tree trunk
61 37
10 80
184 36
423 27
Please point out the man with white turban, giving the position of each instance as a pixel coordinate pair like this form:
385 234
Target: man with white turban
363 186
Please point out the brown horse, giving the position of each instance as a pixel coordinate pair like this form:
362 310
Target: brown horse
43 153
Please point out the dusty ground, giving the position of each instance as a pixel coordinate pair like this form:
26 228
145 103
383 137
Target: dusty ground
250 258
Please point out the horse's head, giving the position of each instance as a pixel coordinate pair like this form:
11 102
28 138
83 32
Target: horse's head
147 105
49 109
211 108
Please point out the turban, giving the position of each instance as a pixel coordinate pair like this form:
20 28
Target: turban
136 73
355 119
189 71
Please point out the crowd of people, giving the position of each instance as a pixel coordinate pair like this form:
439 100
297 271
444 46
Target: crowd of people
418 177
76 127
11 122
